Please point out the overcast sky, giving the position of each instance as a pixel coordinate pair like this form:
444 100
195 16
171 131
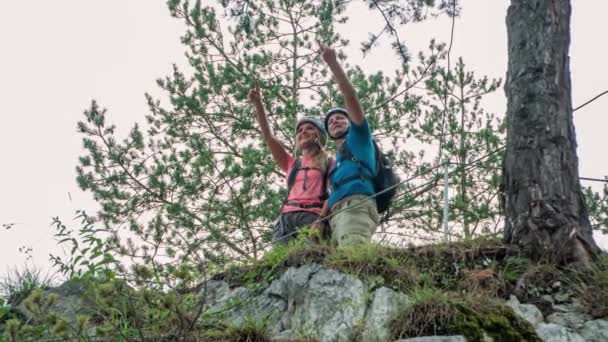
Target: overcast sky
56 56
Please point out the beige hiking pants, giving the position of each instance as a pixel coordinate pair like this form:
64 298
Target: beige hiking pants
355 221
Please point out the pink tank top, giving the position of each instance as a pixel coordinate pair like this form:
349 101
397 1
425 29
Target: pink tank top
307 187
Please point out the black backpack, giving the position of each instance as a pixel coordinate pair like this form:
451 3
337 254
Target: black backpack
291 179
383 178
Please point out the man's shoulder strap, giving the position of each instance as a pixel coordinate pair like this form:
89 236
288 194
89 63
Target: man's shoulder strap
346 154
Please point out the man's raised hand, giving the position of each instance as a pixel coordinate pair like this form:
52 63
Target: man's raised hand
327 53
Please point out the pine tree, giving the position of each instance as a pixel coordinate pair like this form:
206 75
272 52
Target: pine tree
200 185
452 126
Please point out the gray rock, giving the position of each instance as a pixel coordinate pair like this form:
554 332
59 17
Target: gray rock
385 305
291 288
572 320
220 297
574 306
547 298
595 331
528 312
73 299
556 333
214 292
293 282
284 336
306 301
456 338
562 297
333 305
239 304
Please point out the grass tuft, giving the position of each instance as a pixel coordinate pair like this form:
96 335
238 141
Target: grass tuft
435 312
375 263
19 283
591 286
250 331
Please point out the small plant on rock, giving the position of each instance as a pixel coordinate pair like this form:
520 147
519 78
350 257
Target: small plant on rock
20 282
434 312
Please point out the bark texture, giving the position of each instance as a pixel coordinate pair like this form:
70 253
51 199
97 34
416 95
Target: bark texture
544 206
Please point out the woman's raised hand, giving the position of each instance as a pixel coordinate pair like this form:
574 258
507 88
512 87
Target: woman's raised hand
254 94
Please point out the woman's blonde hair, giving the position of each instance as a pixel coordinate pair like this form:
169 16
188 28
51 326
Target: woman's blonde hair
320 159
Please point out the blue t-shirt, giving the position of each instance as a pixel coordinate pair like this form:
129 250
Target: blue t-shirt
359 142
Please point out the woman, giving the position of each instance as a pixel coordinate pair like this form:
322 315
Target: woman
306 177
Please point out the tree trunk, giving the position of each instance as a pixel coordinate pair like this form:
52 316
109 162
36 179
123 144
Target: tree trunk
544 206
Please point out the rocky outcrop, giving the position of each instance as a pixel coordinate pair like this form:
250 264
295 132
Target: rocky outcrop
315 302
311 301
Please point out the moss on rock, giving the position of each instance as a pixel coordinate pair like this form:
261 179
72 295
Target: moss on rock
437 313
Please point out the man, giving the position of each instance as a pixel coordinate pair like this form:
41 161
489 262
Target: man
354 215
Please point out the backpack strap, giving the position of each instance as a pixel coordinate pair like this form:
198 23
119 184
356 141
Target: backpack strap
291 179
306 206
345 154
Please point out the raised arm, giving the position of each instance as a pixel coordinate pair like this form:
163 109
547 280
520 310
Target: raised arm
353 107
276 149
